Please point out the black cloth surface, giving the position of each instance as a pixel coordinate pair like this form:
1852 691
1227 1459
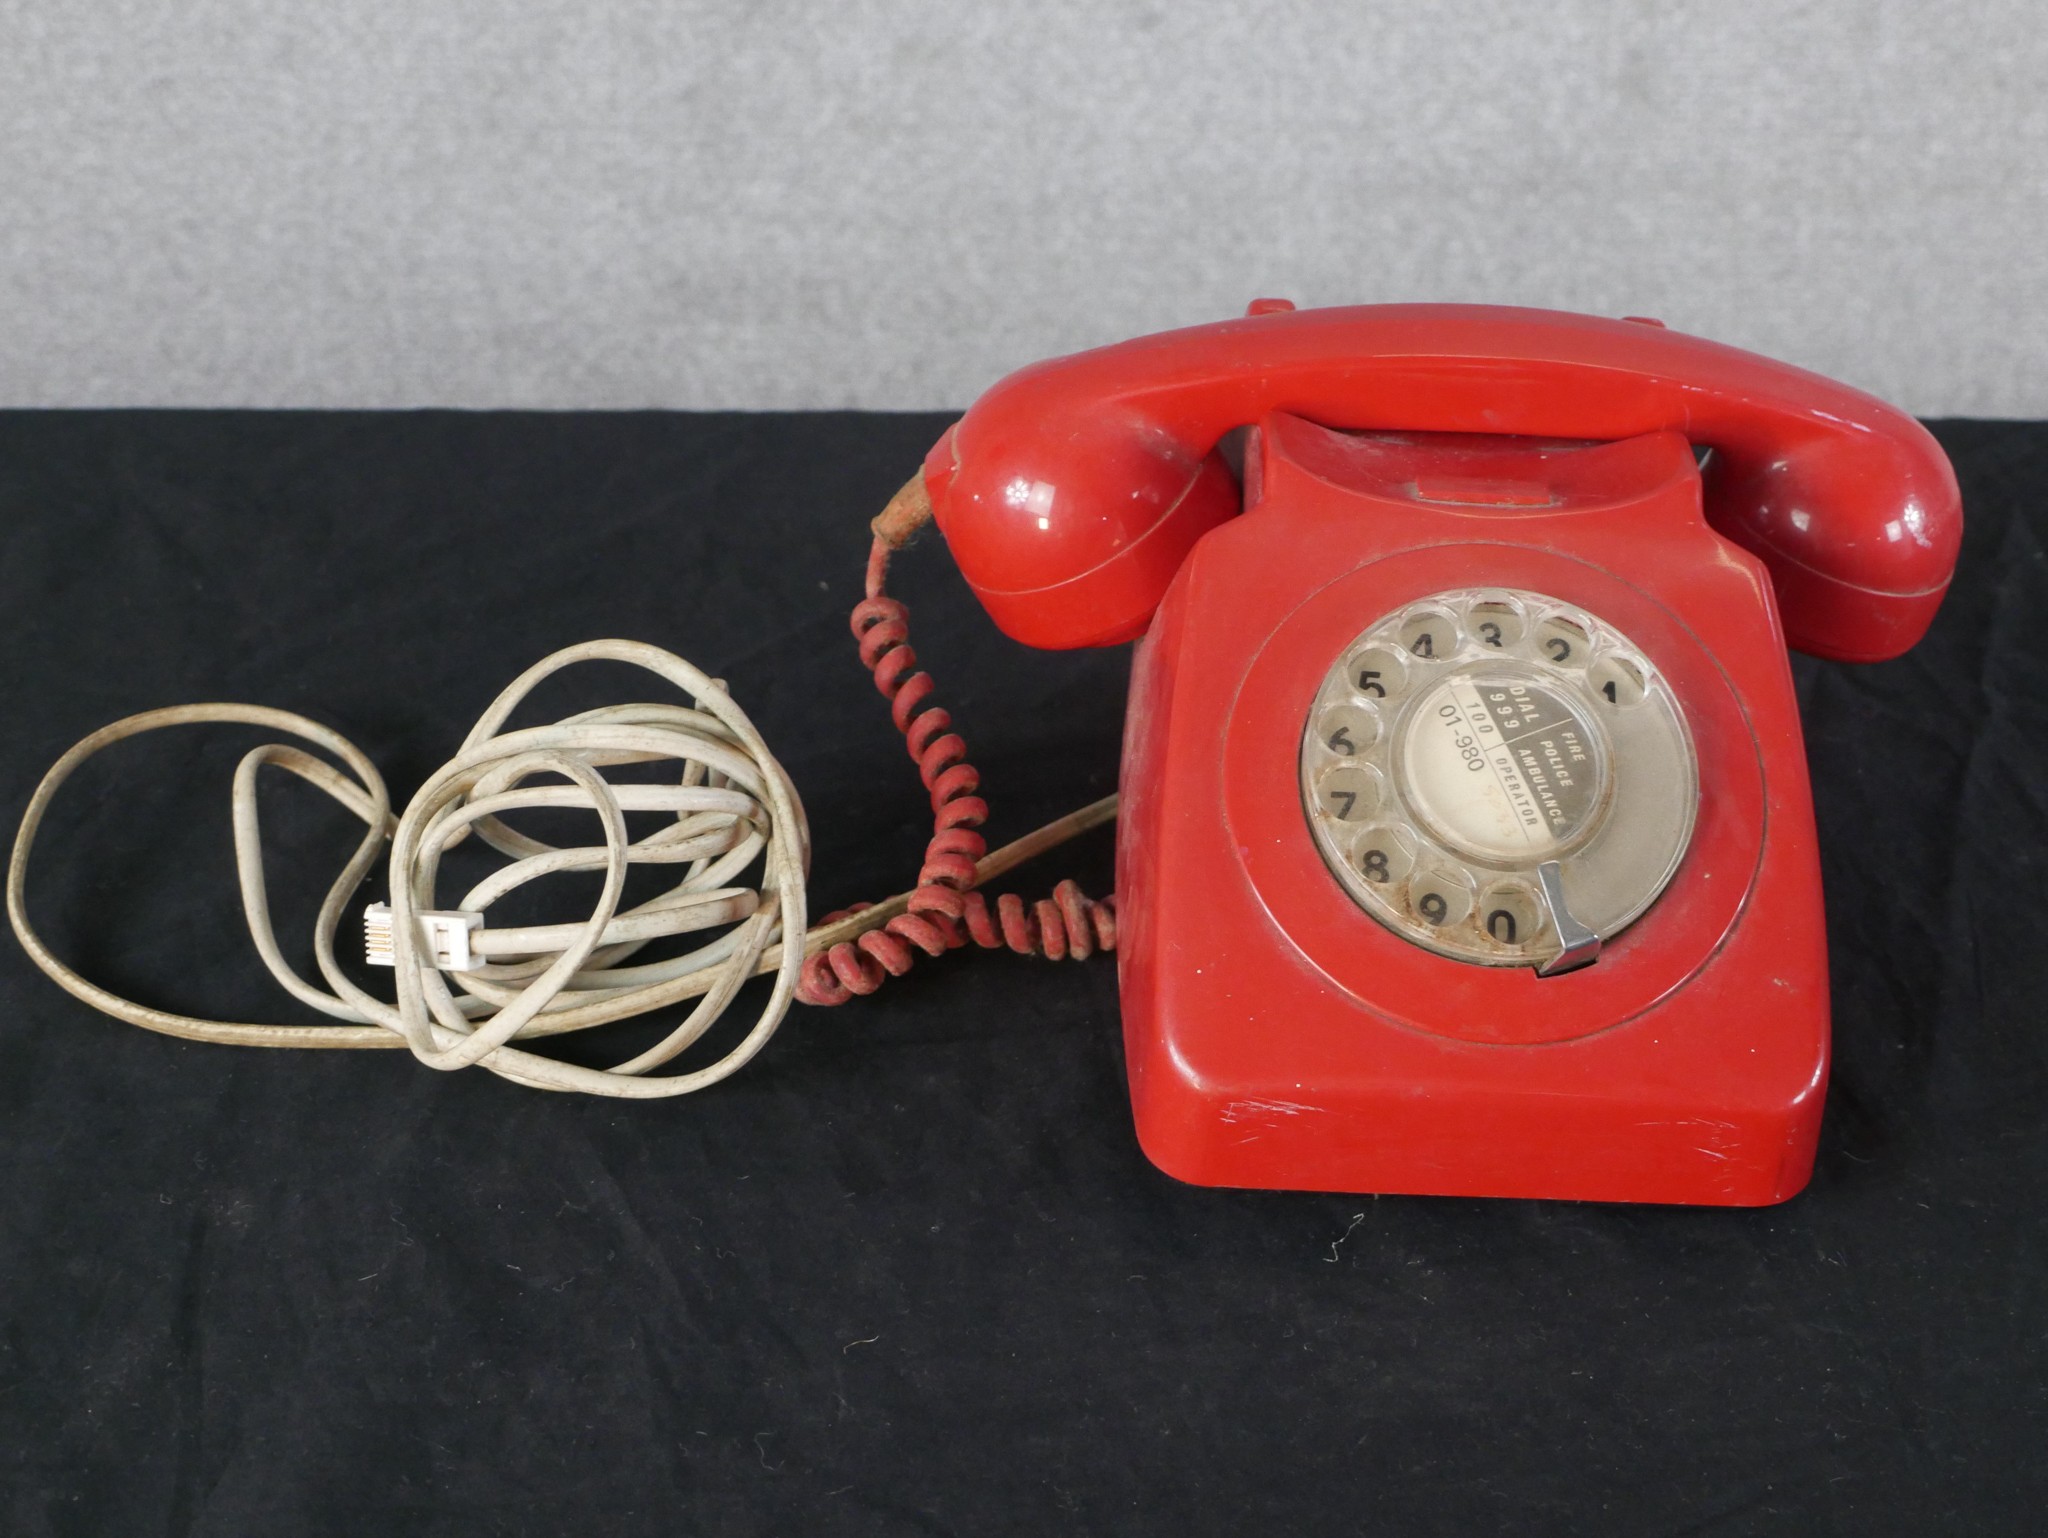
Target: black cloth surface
908 1272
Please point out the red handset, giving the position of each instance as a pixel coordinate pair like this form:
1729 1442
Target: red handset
1072 490
1466 842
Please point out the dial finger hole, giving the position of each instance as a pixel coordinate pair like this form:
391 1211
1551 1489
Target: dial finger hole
1510 914
1495 623
1350 793
1439 898
1619 680
1384 854
1377 672
1348 730
1563 642
1429 635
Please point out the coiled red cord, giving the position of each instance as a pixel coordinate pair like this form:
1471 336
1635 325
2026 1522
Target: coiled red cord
945 911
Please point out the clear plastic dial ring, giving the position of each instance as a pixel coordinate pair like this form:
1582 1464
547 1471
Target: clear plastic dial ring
1499 776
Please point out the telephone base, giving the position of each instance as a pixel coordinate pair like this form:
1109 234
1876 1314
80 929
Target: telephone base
1280 1035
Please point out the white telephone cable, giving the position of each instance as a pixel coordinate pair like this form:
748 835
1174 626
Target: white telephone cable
733 804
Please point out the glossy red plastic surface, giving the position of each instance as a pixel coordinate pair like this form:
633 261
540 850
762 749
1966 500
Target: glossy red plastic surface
1072 491
1278 1036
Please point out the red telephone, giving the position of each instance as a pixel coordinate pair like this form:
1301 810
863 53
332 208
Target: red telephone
1466 844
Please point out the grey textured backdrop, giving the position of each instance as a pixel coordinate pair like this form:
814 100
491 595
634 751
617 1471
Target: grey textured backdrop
398 202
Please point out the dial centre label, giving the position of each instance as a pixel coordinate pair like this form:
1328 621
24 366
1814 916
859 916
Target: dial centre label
1503 767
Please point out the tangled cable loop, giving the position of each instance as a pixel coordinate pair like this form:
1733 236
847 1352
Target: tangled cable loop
730 805
944 912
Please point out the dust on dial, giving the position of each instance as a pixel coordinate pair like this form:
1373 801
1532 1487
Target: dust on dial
1499 776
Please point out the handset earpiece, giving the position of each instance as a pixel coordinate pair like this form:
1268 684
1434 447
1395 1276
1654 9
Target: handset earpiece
1859 530
1070 529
